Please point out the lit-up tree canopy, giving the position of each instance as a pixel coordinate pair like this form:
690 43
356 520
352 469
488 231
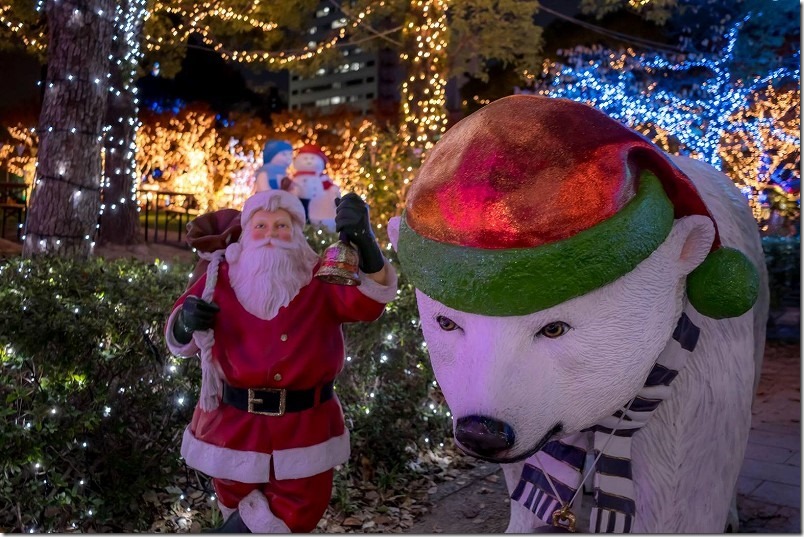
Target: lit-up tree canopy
695 105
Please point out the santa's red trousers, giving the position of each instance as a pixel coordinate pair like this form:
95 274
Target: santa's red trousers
300 503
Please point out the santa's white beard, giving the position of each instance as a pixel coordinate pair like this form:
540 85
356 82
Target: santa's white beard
266 278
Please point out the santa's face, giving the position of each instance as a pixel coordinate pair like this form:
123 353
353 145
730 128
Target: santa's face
270 224
270 264
308 162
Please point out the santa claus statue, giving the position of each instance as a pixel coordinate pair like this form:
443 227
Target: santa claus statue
277 155
313 187
268 427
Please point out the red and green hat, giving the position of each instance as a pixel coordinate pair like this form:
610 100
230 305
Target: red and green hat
532 201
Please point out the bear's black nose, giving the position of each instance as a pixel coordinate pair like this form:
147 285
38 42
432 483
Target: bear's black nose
484 436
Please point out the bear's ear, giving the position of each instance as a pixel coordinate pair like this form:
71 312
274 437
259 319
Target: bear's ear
690 241
393 230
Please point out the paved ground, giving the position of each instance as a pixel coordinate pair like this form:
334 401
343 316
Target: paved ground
769 486
770 480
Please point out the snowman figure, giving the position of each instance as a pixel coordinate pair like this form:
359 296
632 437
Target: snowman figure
313 187
276 157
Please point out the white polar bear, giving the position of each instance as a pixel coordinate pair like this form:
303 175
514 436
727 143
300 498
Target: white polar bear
550 312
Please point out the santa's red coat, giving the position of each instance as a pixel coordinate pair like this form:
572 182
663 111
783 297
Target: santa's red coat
300 348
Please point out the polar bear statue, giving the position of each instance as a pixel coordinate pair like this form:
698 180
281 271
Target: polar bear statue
585 296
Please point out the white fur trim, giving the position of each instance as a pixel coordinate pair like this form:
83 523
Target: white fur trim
257 515
233 252
260 200
225 463
308 461
226 512
187 350
381 293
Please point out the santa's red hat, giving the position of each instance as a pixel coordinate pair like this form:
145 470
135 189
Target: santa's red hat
532 201
313 150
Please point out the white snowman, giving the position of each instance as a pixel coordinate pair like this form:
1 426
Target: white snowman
313 187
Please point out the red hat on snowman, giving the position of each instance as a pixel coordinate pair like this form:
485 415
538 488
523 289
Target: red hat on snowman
313 150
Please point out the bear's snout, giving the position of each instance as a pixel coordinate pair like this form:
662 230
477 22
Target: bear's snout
484 436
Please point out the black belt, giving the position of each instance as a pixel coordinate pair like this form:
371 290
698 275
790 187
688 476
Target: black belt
274 401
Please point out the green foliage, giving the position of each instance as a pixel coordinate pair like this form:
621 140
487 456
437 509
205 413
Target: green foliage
392 405
84 338
501 30
91 419
656 11
783 259
23 27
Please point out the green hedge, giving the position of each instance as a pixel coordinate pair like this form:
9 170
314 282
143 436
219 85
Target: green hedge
96 405
783 259
93 411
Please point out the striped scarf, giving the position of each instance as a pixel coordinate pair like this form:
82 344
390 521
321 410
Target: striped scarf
615 508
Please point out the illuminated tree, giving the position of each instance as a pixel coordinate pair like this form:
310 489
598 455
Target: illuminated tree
695 105
63 213
119 211
29 23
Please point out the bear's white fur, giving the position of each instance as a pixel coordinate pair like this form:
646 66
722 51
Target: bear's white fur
687 458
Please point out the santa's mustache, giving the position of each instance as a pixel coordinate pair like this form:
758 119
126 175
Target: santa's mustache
278 243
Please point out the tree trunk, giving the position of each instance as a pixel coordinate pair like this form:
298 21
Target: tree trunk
63 216
120 223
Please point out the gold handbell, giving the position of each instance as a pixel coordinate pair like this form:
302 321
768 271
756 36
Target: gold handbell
340 263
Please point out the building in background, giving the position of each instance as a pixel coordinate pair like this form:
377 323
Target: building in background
365 81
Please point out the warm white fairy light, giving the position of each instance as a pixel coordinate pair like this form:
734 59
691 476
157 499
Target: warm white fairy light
126 25
37 43
191 23
424 92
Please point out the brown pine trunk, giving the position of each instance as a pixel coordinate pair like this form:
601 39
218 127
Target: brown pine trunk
120 223
63 216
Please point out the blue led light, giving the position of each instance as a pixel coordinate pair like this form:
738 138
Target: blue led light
695 98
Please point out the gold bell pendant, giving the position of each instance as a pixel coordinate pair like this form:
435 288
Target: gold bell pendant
340 264
564 519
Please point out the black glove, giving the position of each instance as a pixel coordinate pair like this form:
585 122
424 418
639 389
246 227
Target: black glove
352 219
195 314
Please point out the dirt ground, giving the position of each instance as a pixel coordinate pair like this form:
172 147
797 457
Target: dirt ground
476 502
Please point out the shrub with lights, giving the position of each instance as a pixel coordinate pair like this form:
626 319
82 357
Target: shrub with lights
97 405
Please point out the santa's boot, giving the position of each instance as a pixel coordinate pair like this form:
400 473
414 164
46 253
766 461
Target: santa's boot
233 524
257 516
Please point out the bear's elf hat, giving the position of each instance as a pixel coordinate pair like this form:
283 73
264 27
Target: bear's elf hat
313 149
532 201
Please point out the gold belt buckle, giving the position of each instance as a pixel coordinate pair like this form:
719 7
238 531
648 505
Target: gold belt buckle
282 399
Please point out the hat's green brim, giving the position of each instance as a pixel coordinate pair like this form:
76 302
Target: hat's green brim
519 281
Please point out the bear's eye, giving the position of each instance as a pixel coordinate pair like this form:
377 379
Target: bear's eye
554 330
446 323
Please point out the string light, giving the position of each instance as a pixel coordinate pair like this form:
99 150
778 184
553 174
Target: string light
128 25
424 92
37 44
748 128
191 24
